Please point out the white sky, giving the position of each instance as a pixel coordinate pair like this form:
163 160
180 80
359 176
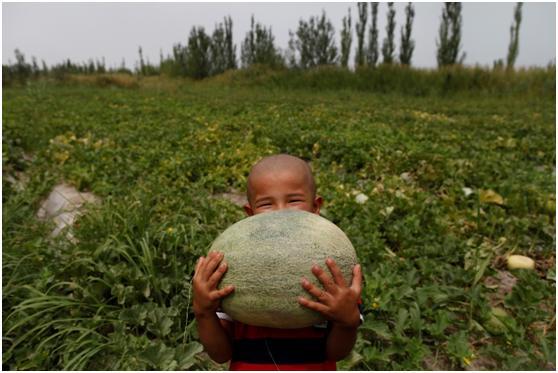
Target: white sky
55 31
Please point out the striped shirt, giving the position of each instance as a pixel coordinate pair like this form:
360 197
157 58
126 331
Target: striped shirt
261 348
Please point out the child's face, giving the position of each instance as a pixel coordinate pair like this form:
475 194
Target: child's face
273 191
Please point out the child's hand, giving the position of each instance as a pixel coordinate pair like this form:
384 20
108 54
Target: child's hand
209 272
338 302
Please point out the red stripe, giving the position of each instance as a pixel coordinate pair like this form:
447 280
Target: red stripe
243 331
239 365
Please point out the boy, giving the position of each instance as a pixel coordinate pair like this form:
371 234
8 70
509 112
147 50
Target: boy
279 182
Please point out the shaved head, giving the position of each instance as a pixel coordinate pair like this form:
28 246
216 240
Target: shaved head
279 163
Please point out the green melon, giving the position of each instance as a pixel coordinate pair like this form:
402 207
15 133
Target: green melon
268 254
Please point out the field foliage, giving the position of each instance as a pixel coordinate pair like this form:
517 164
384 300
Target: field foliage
454 184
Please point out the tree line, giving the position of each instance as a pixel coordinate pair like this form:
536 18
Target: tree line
311 44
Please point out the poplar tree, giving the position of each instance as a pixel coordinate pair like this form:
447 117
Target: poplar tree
223 50
21 70
360 30
180 64
372 53
314 43
198 63
388 46
346 39
230 48
90 66
449 36
326 51
34 67
513 49
258 47
141 62
407 44
218 50
101 67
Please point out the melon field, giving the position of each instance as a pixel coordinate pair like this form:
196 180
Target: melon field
434 191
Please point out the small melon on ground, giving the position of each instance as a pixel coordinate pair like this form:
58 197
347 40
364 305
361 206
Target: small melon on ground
267 256
520 262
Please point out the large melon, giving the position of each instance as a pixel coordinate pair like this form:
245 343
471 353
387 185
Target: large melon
267 256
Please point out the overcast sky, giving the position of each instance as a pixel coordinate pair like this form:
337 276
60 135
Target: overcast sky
55 31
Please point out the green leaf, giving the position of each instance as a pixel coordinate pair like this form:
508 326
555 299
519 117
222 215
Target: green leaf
415 317
495 326
185 355
165 285
480 269
442 321
378 327
160 357
401 321
458 346
373 353
159 323
134 315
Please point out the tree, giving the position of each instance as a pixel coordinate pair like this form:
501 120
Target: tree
258 47
35 67
223 51
22 70
360 29
326 51
198 63
372 53
230 48
90 66
314 42
513 49
346 39
407 44
101 67
218 56
122 69
141 62
449 36
388 46
179 64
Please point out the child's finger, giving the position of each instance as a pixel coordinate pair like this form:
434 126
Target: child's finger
316 306
199 264
217 275
214 258
336 272
316 292
327 282
218 294
356 284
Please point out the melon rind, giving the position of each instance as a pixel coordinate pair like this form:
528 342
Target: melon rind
267 256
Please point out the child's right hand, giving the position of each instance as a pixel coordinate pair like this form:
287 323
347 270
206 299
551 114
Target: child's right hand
208 273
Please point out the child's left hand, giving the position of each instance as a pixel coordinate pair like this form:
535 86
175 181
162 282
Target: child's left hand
338 302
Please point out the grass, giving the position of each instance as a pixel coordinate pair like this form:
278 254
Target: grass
401 80
160 154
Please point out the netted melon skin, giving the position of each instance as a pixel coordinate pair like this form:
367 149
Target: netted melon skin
267 256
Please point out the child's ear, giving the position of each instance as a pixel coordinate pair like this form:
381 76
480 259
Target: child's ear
248 209
318 201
